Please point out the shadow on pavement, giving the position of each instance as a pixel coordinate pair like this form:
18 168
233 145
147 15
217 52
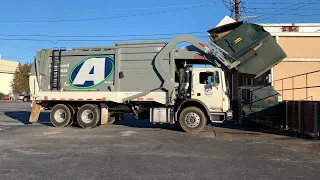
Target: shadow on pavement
44 118
23 116
254 129
257 129
130 122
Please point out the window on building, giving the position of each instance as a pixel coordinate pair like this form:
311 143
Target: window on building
290 28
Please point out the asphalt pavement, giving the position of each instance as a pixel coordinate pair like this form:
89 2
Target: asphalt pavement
139 150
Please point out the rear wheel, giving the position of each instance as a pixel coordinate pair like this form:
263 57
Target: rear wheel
192 120
88 116
60 115
73 114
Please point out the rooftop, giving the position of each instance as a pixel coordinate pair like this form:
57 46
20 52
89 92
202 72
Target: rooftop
7 66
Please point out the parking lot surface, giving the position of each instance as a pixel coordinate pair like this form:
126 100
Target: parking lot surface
138 150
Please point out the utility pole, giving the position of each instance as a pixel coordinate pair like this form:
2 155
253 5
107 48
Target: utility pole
234 7
237 9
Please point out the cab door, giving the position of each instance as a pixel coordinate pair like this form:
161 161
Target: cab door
207 87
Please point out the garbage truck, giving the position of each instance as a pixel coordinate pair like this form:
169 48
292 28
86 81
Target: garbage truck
158 80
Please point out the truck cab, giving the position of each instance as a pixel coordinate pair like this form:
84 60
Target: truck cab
209 86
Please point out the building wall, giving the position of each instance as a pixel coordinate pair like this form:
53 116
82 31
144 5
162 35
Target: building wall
7 69
300 47
289 69
303 57
5 81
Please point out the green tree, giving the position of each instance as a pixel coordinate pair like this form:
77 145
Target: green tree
20 82
1 96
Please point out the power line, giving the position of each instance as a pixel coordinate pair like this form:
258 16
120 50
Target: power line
245 12
276 3
74 40
268 15
234 8
295 4
99 36
307 4
82 40
224 3
100 18
287 14
280 8
260 21
230 7
93 40
140 8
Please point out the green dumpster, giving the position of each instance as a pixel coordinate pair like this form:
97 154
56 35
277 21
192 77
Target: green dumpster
255 49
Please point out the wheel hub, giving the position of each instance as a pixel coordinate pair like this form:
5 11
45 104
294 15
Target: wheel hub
192 119
60 115
87 116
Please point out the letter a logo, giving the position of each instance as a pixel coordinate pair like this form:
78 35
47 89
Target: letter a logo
91 72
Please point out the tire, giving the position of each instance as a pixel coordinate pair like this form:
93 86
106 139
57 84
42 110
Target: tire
88 116
25 99
73 114
60 115
192 120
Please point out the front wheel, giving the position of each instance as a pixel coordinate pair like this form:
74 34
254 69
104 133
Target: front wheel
192 120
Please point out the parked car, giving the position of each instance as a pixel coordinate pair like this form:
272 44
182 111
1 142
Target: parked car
24 97
6 98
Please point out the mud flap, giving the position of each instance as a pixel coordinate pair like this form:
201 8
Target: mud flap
104 114
35 112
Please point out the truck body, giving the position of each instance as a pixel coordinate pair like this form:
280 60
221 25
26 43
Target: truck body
154 79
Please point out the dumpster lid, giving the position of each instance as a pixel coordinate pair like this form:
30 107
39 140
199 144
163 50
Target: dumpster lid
225 28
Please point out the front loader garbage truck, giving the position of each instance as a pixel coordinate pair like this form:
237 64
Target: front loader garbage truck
97 85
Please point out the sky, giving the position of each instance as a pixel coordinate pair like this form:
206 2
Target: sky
23 23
